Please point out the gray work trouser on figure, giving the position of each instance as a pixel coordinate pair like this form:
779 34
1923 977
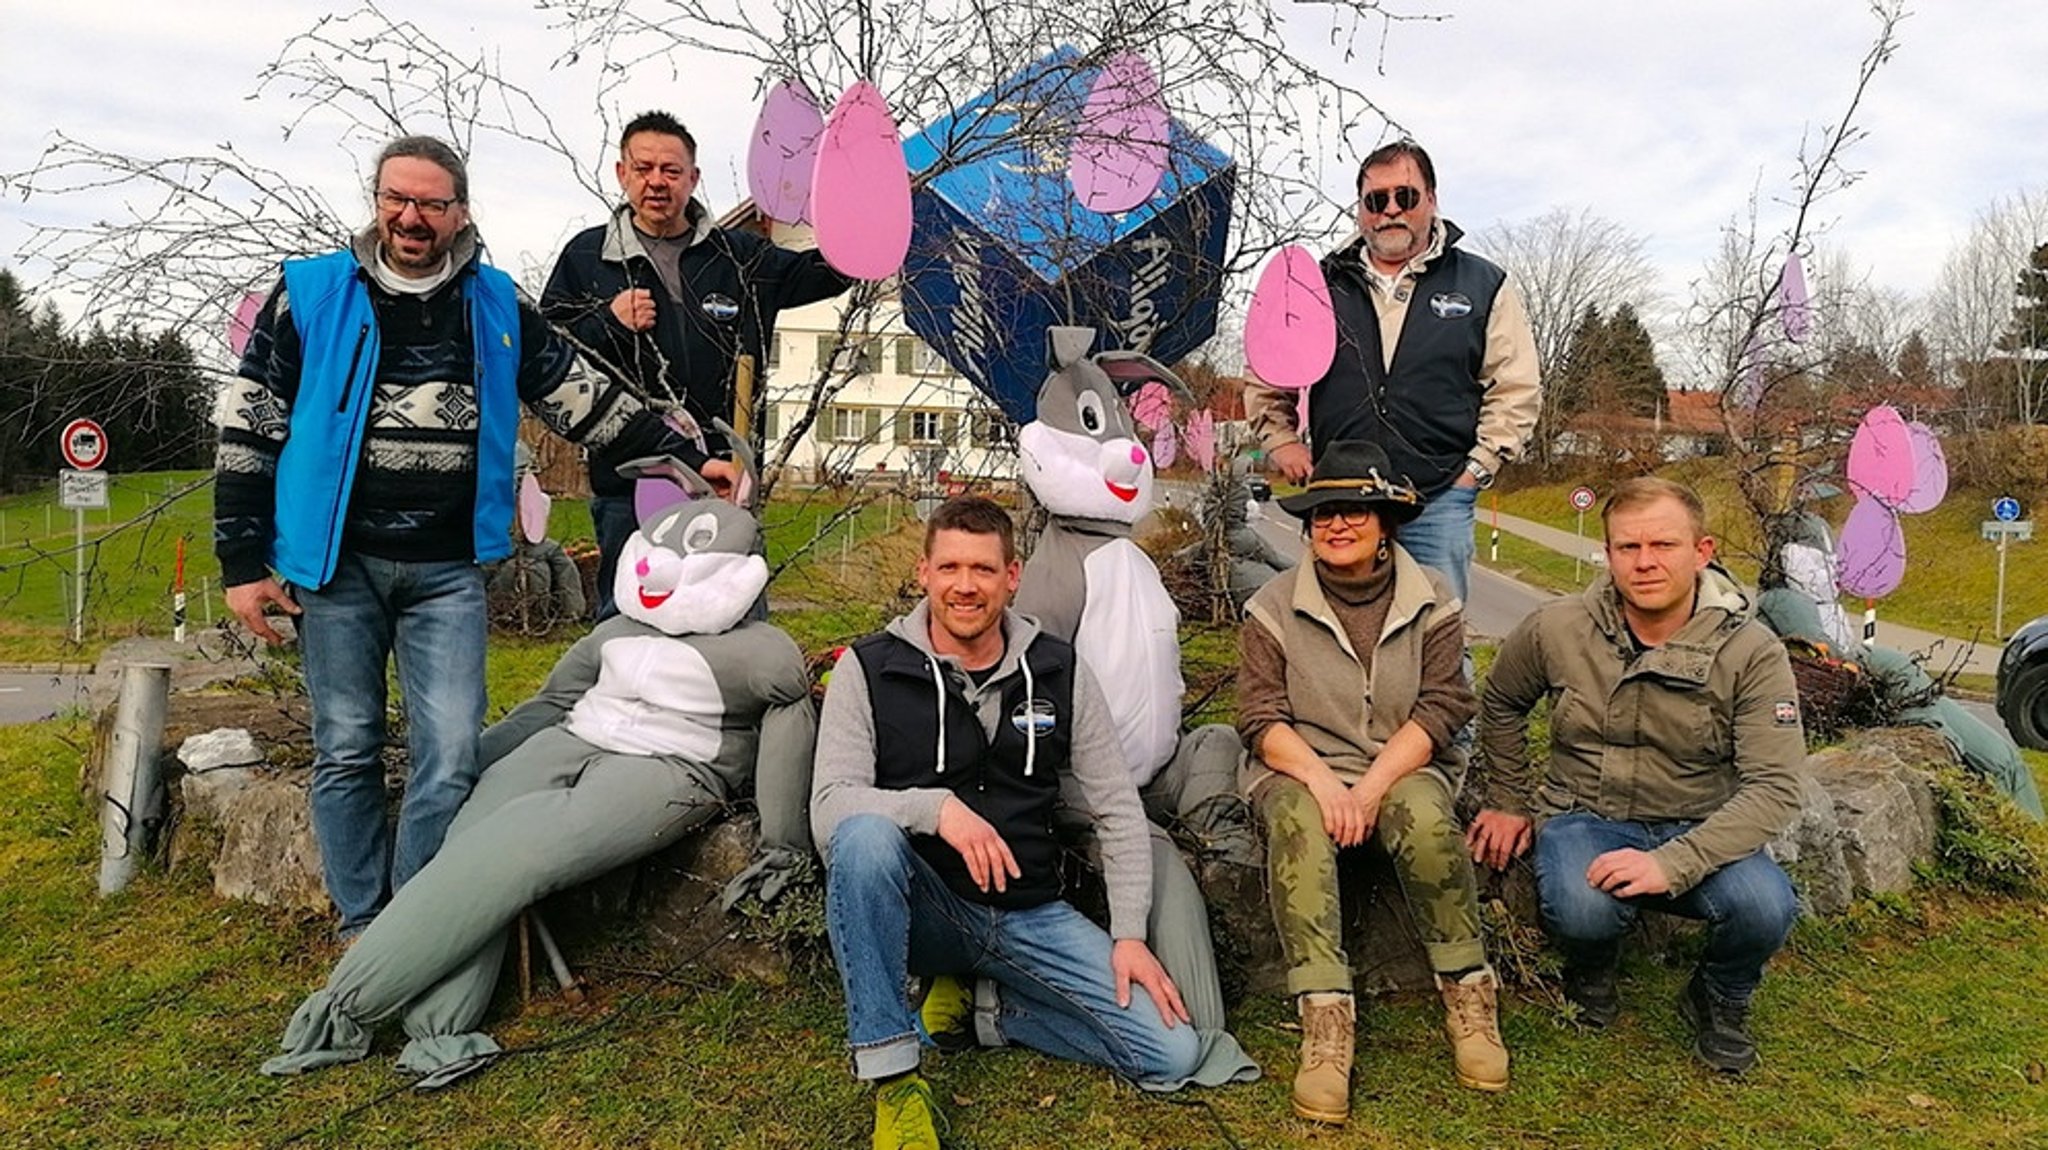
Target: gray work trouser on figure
553 813
1199 789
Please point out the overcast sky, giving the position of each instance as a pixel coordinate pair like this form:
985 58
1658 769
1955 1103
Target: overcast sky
1662 116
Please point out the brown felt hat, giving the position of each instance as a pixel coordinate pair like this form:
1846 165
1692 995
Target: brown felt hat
1355 471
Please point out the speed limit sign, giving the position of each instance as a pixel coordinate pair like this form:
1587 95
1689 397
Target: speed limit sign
84 444
1582 498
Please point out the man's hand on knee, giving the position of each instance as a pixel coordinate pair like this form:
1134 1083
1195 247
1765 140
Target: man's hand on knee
1497 838
988 857
1132 961
1628 873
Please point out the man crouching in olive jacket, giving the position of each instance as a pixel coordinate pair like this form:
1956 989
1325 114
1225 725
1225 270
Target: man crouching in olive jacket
1675 747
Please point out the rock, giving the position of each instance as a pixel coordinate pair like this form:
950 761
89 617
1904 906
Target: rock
1883 806
673 896
222 747
1810 850
267 852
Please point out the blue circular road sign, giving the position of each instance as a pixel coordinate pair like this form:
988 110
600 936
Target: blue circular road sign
2005 509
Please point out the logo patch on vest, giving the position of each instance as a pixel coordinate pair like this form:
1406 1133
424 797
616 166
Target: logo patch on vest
722 308
1034 714
1785 713
1450 305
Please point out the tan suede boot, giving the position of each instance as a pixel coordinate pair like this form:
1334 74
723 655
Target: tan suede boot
1322 1087
1472 1019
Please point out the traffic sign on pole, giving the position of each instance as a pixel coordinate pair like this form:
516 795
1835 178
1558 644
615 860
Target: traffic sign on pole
84 445
2005 509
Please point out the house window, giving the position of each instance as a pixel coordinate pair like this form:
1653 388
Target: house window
925 427
853 424
993 429
916 357
853 357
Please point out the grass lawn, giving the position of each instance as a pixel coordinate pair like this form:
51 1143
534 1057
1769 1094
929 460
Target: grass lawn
139 1021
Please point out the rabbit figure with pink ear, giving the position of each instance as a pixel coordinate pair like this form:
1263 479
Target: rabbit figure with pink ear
1089 583
649 727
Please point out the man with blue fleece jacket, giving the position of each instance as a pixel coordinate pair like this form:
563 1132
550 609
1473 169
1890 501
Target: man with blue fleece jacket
364 473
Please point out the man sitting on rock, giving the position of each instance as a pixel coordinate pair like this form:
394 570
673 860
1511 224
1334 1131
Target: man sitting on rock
1675 747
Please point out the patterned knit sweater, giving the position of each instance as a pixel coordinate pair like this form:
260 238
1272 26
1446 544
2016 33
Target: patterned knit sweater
415 490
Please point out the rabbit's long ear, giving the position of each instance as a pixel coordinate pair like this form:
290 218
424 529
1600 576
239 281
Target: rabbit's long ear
1066 346
749 478
672 469
1131 370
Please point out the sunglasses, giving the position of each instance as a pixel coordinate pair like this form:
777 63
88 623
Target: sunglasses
1405 196
1352 514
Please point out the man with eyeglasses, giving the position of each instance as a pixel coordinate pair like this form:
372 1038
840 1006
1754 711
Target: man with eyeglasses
1435 361
660 297
364 473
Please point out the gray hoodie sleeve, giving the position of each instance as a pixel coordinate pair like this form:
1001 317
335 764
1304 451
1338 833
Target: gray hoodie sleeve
1099 784
843 774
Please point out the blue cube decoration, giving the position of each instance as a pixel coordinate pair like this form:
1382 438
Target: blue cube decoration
1000 249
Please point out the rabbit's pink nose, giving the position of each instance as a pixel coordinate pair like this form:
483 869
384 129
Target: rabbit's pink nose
1137 455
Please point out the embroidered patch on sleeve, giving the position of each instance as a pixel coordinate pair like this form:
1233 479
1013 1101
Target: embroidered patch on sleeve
1785 713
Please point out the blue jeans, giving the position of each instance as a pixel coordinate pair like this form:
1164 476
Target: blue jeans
431 615
614 520
1441 537
890 916
1748 905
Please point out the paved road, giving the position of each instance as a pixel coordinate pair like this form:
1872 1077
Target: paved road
28 697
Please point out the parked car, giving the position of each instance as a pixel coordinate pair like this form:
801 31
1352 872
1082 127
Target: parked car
1261 488
2023 685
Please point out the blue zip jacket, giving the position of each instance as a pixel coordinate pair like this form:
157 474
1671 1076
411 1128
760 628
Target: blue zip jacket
316 468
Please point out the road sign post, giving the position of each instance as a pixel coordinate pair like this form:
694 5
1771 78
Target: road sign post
1582 502
2004 528
84 446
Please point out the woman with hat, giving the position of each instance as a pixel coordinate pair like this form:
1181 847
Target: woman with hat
1351 690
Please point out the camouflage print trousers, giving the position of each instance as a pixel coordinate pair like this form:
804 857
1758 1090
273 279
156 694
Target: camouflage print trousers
1417 829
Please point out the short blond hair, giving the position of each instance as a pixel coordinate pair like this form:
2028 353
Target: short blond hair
1647 489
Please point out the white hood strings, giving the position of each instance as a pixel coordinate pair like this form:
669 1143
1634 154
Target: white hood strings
1030 714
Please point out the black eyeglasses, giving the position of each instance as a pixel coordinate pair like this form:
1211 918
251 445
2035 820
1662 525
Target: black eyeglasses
1352 514
429 209
1405 196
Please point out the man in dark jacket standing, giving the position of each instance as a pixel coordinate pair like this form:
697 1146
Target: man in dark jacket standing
1435 362
366 457
945 744
662 299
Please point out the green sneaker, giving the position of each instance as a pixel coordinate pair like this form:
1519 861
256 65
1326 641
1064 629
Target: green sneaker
906 1118
948 1013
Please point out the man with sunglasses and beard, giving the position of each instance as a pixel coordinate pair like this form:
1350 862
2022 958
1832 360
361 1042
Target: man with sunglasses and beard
1435 361
364 473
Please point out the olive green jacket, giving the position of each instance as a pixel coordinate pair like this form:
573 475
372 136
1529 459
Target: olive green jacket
1705 727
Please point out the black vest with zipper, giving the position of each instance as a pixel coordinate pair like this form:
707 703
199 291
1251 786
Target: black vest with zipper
1424 410
988 776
